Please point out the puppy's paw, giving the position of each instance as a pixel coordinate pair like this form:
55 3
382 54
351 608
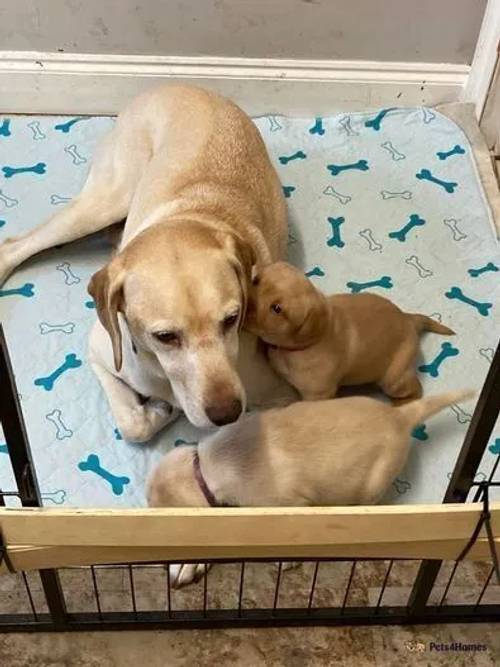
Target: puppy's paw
183 574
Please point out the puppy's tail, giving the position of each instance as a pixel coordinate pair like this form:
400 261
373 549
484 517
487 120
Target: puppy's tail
424 323
418 411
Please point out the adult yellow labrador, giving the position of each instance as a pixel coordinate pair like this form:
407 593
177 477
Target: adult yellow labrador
203 204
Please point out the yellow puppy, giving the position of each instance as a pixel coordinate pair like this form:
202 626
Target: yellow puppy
319 343
342 452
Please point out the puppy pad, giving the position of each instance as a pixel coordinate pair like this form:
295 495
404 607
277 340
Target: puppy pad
389 202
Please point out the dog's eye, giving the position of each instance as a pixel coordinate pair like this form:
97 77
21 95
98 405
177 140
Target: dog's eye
167 337
256 280
276 308
229 321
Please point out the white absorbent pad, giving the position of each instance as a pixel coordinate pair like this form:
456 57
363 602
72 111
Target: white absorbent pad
387 201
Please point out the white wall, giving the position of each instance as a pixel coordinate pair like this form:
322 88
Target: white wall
387 30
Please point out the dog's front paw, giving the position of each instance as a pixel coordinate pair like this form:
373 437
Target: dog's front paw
144 421
159 413
182 574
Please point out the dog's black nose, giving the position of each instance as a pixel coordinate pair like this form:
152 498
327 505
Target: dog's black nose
224 413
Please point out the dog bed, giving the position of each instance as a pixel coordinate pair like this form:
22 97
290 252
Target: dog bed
388 201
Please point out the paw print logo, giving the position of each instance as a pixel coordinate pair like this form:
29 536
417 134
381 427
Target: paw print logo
415 646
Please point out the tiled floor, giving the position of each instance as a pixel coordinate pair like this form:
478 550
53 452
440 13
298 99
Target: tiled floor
300 647
290 647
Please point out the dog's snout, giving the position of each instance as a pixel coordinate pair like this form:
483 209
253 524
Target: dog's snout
225 412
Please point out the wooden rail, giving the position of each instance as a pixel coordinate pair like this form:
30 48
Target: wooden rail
45 538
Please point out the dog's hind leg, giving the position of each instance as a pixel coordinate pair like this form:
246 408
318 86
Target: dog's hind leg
104 200
400 381
406 387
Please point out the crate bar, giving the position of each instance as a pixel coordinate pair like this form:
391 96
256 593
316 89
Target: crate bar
16 437
229 618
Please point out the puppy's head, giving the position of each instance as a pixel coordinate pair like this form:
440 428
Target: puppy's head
172 482
182 291
284 308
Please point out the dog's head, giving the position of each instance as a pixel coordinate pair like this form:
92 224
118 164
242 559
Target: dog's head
182 291
284 308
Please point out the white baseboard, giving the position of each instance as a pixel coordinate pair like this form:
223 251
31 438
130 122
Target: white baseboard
33 82
485 59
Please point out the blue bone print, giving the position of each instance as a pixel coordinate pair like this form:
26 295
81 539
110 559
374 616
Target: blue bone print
3 448
432 369
484 269
426 175
66 127
298 155
456 293
25 290
385 282
316 271
335 239
374 123
336 169
317 128
5 128
401 234
92 464
71 361
456 150
495 447
288 189
420 433
38 168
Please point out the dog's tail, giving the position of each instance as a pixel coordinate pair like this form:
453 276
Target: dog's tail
424 323
418 411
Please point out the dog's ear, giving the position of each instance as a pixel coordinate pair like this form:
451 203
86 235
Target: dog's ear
242 257
246 256
106 288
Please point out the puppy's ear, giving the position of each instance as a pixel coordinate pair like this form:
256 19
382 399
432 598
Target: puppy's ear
106 288
315 317
242 257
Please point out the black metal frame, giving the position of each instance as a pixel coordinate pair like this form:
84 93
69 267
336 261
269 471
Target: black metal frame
416 611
